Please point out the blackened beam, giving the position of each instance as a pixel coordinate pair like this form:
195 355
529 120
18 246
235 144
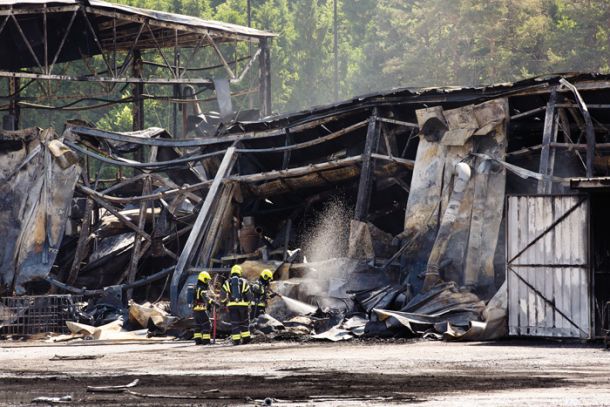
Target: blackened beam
112 210
589 130
365 187
124 183
136 164
106 79
264 77
221 57
194 240
528 113
296 172
37 10
204 142
149 197
566 146
403 161
217 34
397 122
81 245
136 255
305 144
169 183
251 178
295 128
549 136
135 284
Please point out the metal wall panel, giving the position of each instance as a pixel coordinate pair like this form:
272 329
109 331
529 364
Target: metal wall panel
547 266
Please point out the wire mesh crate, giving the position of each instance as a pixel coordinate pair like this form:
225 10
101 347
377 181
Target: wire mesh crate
29 315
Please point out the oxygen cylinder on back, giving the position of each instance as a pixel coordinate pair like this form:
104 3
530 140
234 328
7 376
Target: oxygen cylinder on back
235 291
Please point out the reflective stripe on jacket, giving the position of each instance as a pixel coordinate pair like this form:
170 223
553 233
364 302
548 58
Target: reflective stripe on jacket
243 292
260 294
202 301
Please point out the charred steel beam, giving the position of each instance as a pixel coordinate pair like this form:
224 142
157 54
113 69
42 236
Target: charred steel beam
549 136
305 144
589 130
83 291
195 238
70 78
135 164
403 161
221 57
27 43
136 255
365 186
96 39
221 34
95 196
296 172
398 122
137 91
159 51
265 78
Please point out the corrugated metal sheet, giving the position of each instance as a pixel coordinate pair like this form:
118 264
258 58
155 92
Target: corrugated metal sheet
547 266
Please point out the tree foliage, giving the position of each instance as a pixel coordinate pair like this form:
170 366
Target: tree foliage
391 43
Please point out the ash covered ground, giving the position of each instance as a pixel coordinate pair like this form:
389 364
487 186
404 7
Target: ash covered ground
355 373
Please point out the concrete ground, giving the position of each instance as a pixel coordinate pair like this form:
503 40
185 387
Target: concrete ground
418 372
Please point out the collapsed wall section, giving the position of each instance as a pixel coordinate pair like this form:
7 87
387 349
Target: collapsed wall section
38 177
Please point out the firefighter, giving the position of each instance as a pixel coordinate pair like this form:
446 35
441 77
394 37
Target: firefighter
236 296
201 304
261 292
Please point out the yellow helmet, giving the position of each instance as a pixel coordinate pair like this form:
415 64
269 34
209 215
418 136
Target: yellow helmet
236 270
267 275
204 277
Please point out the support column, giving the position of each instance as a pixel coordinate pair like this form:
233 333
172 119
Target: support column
265 77
137 91
176 88
11 121
365 187
547 161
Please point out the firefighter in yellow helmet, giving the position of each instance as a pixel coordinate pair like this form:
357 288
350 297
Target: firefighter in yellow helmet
236 295
261 292
201 304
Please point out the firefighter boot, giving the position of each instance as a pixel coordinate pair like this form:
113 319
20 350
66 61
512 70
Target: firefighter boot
236 339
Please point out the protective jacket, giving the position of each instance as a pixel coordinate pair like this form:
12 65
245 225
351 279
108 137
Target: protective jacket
260 294
202 301
236 292
236 295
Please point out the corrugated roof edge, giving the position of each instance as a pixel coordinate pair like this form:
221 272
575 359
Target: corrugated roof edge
416 95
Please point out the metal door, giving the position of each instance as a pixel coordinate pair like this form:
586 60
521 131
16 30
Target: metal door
547 266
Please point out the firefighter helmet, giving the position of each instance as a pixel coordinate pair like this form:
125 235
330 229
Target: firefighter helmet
204 277
236 270
267 275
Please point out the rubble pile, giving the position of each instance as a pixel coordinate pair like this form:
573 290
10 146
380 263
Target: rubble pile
416 247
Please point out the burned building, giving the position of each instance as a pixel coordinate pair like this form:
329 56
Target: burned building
458 198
